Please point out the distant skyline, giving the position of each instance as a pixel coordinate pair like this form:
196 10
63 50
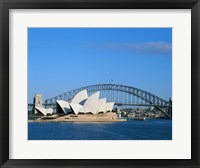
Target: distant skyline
63 59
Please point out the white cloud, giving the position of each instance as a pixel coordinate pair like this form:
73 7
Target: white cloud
153 48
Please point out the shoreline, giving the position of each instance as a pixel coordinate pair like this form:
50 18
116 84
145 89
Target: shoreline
76 121
109 117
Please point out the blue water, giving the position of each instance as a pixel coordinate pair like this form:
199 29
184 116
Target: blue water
151 129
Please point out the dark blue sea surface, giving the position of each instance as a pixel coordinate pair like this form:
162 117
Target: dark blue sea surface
151 129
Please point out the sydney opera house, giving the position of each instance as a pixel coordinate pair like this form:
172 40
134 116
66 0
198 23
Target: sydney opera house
80 104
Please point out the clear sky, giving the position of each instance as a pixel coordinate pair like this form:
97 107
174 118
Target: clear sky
62 59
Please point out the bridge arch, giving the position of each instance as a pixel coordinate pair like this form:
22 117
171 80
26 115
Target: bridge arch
148 97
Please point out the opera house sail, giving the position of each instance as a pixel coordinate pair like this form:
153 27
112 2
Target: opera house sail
43 111
82 104
63 106
81 108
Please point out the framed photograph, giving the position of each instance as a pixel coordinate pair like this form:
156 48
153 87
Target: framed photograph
99 83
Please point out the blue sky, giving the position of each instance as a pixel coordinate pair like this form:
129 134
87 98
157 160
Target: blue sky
62 59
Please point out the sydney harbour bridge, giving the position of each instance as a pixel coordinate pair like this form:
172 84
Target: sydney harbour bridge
120 94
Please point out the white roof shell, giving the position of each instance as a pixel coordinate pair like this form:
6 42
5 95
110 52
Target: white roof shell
109 106
102 105
49 111
40 110
79 97
43 110
84 110
92 103
64 105
76 107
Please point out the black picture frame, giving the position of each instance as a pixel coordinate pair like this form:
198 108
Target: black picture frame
5 5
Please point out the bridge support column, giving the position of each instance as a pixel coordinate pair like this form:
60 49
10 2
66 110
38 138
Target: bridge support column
37 102
170 107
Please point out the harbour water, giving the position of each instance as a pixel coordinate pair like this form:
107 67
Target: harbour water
150 129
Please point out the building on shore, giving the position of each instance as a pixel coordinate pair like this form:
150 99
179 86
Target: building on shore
82 108
80 104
